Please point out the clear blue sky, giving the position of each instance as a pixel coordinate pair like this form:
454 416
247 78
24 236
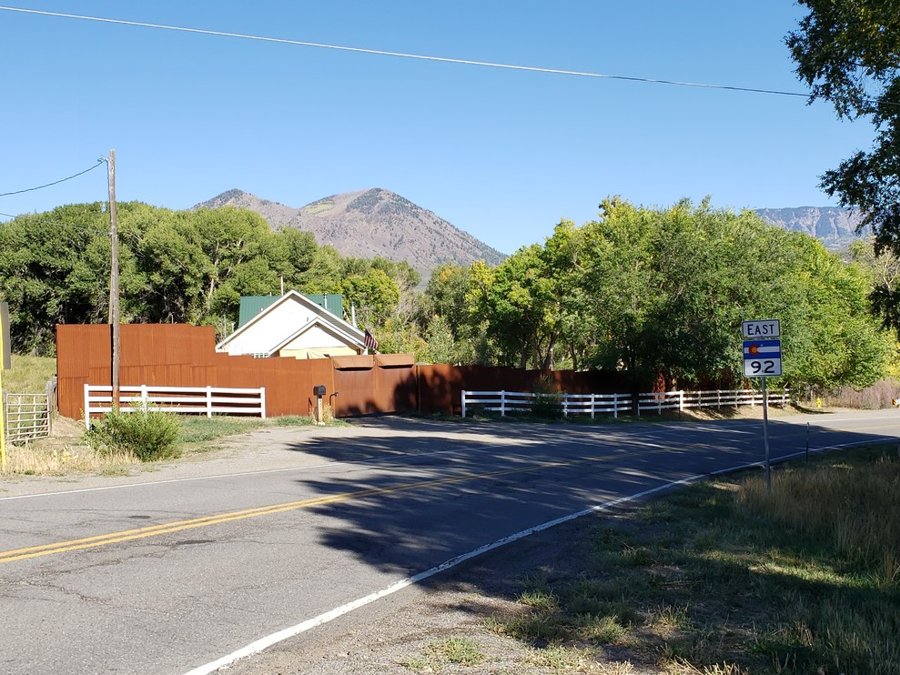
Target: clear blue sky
502 154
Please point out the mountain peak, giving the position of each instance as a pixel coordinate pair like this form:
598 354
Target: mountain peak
372 222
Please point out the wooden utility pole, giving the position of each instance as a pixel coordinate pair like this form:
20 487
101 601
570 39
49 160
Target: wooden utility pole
114 278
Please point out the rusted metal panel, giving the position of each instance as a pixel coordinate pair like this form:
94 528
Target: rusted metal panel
353 362
394 360
180 355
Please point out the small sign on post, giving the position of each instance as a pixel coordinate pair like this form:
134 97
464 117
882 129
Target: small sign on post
762 359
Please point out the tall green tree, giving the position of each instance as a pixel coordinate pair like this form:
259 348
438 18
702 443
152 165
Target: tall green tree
848 52
54 268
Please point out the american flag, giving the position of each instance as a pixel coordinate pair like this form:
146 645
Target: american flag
370 341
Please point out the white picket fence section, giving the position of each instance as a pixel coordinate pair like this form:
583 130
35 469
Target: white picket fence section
593 404
188 400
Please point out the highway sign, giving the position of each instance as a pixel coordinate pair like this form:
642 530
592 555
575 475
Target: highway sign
762 358
763 330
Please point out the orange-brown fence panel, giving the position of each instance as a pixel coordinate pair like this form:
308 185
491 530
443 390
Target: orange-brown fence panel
184 356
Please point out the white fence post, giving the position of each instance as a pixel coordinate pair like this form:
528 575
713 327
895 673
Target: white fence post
615 406
462 403
593 404
502 403
87 407
144 404
262 402
209 401
565 399
681 401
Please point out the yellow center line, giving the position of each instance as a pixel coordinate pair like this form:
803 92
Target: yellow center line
215 519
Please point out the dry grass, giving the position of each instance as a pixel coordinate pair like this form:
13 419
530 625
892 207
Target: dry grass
65 453
879 395
721 580
856 506
35 460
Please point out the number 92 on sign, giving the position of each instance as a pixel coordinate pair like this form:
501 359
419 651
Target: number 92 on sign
762 358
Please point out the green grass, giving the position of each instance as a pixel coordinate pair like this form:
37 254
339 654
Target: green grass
460 651
29 374
718 578
198 429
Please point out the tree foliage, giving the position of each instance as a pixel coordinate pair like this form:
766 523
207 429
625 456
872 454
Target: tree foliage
656 293
661 293
848 52
175 266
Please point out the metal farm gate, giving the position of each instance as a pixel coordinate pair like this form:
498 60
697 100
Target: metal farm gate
27 417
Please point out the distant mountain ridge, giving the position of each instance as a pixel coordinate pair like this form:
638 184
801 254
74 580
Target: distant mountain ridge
371 222
833 225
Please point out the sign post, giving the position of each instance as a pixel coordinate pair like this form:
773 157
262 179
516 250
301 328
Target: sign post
4 365
762 359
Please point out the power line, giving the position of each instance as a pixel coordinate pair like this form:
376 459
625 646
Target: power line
405 55
56 182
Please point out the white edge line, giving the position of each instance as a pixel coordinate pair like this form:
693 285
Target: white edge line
265 642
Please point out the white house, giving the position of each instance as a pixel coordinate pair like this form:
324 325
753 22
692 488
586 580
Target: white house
294 326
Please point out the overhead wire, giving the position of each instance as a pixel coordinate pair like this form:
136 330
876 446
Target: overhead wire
405 55
56 182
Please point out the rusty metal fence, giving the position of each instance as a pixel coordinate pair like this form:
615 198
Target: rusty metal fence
177 355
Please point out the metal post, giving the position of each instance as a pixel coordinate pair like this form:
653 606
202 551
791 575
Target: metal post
462 403
807 442
209 402
766 435
2 412
502 403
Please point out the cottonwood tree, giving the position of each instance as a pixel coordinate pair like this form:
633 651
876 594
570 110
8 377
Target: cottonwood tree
848 52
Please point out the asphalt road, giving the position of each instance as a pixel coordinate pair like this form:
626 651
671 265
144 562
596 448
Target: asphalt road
173 570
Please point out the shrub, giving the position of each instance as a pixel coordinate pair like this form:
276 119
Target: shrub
147 434
547 405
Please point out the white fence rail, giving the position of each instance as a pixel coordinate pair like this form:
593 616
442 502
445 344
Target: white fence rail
593 404
189 400
27 417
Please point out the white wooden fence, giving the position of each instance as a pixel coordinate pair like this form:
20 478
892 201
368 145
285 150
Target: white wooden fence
593 404
188 400
27 417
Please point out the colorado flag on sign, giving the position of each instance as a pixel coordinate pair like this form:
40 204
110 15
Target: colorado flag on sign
762 349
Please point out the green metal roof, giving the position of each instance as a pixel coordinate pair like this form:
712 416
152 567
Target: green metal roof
251 305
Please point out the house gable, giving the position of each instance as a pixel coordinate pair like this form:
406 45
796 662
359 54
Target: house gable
283 319
251 305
